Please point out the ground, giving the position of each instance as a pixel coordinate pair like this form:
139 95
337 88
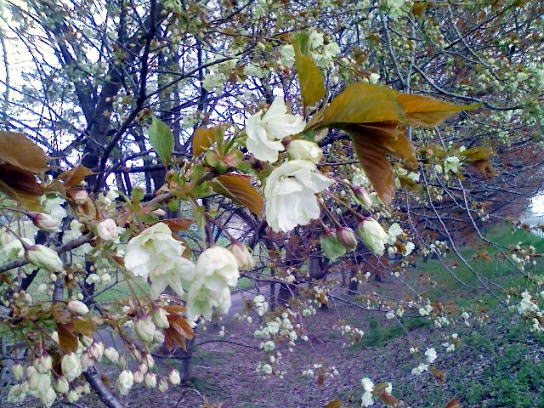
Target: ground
497 363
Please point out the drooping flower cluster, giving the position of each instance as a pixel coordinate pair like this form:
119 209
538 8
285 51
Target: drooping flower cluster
154 253
290 188
216 271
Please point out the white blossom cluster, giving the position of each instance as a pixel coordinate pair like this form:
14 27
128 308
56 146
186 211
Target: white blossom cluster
353 334
323 54
523 256
318 369
430 357
156 255
529 308
450 345
367 399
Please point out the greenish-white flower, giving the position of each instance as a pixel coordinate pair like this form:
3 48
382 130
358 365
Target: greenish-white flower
266 130
145 329
373 235
125 381
154 253
71 366
287 55
107 230
451 164
290 194
44 257
78 307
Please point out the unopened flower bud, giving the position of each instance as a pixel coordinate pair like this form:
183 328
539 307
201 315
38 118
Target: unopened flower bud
97 350
242 255
72 396
87 341
44 222
174 377
78 307
150 380
111 354
138 377
18 393
145 329
347 237
150 361
107 230
71 366
62 386
304 150
362 196
81 197
125 381
163 386
158 337
44 364
44 257
48 397
17 371
374 78
143 368
160 318
159 212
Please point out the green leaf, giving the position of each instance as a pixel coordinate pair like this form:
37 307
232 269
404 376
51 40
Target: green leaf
137 194
332 246
162 139
312 84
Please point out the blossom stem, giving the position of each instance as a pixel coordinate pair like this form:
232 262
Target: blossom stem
23 243
222 228
329 214
348 207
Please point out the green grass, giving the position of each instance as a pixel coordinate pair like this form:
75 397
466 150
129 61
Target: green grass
513 375
499 364
496 269
377 334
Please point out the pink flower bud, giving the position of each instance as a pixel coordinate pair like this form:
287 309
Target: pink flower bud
44 222
362 196
81 197
347 237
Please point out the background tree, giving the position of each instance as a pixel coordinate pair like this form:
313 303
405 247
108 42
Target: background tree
154 100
